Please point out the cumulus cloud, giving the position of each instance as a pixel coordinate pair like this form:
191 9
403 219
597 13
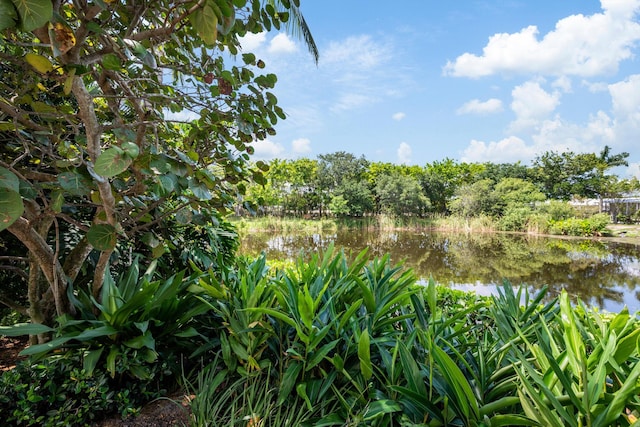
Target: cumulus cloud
531 104
404 153
475 106
281 43
398 116
252 42
579 45
633 170
625 96
301 146
562 83
266 150
508 150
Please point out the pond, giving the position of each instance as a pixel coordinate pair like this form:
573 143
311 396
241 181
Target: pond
603 274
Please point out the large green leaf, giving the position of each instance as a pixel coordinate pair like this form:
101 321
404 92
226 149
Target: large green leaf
364 354
24 329
8 15
8 179
112 162
102 237
33 13
75 183
11 207
205 22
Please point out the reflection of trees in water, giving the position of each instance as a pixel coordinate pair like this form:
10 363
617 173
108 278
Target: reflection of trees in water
588 269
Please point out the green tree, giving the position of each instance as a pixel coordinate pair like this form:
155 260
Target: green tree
95 153
344 174
474 199
442 179
563 175
512 192
400 195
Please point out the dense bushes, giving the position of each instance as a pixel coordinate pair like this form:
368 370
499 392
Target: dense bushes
592 226
342 342
332 342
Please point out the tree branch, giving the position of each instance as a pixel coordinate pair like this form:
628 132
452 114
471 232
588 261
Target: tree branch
43 256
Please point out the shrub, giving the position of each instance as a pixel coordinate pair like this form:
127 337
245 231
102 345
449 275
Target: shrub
592 226
57 391
515 218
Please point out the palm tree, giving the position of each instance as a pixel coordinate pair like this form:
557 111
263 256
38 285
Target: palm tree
296 25
606 160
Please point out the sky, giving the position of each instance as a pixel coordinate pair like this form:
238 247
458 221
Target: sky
475 81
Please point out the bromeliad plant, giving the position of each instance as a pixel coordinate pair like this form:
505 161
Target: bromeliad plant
583 369
357 342
137 325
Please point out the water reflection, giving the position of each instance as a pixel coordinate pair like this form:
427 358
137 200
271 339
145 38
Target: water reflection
603 274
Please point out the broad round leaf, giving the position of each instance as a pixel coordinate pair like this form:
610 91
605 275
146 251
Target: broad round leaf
9 180
74 183
11 207
112 162
8 15
205 21
131 149
34 13
102 237
111 62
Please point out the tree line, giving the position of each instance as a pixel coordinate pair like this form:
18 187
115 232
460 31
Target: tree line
342 184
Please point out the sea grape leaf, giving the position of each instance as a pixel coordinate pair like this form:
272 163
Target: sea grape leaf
111 162
11 207
9 180
8 15
102 237
33 13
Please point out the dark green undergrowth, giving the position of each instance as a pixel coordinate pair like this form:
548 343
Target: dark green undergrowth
330 340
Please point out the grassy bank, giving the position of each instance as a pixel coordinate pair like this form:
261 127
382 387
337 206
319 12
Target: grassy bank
588 227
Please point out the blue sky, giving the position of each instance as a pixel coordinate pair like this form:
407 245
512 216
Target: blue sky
475 81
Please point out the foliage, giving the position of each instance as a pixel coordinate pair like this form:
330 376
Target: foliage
224 399
592 226
140 325
95 159
400 195
333 341
474 199
57 391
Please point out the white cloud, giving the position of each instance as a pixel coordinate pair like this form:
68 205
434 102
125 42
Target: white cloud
251 42
358 70
531 104
508 150
562 83
301 146
625 97
633 170
361 52
266 150
351 101
398 116
281 43
404 153
475 106
579 45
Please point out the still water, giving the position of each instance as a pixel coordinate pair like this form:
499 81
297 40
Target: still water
603 274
